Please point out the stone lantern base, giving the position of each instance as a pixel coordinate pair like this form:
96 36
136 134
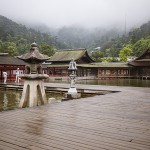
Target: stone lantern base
68 96
33 93
72 90
72 94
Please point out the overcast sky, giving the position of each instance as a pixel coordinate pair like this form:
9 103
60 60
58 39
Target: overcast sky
87 13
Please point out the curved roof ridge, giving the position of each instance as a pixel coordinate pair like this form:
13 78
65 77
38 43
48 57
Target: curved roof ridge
72 49
143 54
67 55
142 60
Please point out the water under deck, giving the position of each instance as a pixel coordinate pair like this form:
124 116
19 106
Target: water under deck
116 121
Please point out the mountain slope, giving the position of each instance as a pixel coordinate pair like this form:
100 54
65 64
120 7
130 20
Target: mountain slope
9 28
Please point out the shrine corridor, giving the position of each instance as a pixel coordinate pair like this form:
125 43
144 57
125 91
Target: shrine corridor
116 121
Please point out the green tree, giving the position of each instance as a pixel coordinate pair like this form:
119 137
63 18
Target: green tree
125 52
22 44
47 49
1 45
97 56
8 47
140 46
108 59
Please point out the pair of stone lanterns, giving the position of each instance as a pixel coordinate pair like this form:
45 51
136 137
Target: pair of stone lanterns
33 90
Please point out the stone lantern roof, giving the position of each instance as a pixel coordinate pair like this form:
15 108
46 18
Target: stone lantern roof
33 56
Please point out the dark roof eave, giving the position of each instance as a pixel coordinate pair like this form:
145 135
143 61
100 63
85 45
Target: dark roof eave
33 58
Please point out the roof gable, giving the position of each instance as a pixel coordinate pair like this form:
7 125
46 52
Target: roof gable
145 55
143 60
79 55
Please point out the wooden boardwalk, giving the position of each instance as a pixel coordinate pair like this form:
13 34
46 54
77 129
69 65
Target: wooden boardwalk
116 121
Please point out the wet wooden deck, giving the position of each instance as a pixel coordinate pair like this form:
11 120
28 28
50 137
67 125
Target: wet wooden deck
116 121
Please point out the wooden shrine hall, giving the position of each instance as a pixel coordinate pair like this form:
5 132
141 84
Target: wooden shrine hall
57 66
141 65
10 64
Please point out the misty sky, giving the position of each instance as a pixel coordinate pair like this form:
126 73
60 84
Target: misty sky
86 13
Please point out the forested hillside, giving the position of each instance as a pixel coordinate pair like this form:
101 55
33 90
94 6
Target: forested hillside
77 37
133 43
137 39
111 41
16 38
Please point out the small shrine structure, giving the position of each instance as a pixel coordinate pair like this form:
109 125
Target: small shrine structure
33 90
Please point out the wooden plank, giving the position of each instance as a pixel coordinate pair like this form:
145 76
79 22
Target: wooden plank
63 134
112 121
9 146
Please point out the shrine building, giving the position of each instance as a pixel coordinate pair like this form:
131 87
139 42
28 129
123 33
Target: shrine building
57 66
10 64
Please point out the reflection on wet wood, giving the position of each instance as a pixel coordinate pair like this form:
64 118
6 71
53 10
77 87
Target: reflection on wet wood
116 121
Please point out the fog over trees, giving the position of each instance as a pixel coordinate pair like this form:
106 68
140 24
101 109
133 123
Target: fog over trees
103 27
85 13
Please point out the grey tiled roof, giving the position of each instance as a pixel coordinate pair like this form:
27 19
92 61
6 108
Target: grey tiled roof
9 60
68 55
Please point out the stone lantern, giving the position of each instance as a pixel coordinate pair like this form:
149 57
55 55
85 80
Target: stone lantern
33 90
72 69
72 92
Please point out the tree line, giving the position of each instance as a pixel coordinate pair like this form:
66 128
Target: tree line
15 39
132 44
